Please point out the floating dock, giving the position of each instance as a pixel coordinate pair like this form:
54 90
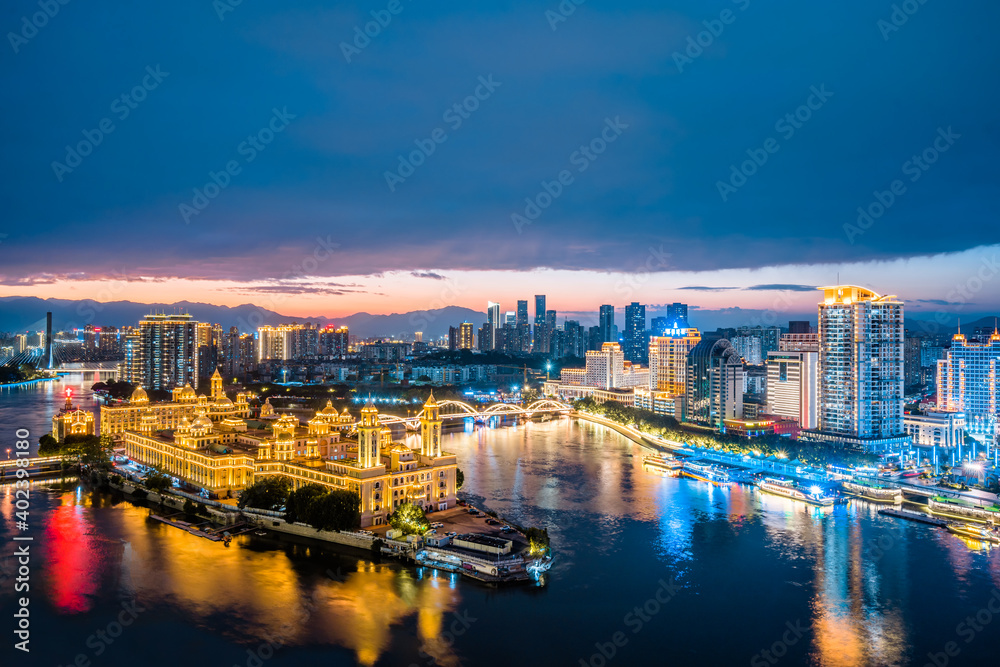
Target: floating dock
910 515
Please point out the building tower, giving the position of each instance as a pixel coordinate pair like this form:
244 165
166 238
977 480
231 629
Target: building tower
636 342
606 321
860 366
216 385
369 436
430 428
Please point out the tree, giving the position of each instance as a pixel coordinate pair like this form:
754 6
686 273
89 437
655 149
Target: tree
189 507
300 501
91 449
49 446
270 493
459 478
337 510
157 481
410 519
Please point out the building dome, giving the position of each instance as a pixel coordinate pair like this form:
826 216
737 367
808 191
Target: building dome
329 409
201 421
139 396
431 403
401 449
184 424
223 402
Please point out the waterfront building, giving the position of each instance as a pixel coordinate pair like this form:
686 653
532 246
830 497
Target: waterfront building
162 353
936 428
185 403
668 359
635 339
605 369
660 402
793 387
223 457
968 378
860 368
72 420
714 383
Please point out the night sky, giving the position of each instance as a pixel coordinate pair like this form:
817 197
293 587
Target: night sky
613 119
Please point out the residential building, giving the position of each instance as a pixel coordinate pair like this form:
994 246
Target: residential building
967 381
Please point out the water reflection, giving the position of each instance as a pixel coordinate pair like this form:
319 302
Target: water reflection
291 596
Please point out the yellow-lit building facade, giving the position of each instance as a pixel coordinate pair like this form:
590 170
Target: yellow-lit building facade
225 456
72 420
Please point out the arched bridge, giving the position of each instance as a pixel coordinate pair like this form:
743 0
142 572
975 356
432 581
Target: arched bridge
449 409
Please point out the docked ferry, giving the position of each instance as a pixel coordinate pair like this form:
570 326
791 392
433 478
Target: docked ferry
964 509
707 471
814 495
665 465
973 532
874 491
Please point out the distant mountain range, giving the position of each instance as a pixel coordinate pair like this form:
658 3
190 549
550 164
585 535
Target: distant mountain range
28 314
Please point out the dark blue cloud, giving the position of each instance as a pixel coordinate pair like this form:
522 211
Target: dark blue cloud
323 176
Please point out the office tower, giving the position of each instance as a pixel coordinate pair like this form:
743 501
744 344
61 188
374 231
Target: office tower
793 386
668 360
714 383
606 367
465 335
523 327
968 378
164 352
575 339
635 347
453 338
860 365
492 324
550 329
48 340
539 332
677 316
799 327
594 338
606 321
658 325
748 347
769 337
911 362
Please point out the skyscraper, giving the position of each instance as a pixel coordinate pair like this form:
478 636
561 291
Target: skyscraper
792 386
492 324
523 327
860 366
635 347
606 321
968 380
714 383
677 316
668 360
164 352
541 338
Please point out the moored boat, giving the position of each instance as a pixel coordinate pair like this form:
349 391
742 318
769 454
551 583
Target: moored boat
973 532
874 491
666 465
705 471
814 495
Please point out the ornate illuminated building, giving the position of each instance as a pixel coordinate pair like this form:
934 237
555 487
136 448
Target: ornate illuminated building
967 380
72 420
225 455
117 419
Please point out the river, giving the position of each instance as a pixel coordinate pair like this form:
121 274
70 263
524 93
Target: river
648 570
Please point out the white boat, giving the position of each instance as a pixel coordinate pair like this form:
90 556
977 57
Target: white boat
665 465
814 495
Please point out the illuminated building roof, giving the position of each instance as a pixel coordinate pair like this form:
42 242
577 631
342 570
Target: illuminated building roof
139 396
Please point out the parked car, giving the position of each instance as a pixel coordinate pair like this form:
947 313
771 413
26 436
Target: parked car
452 534
493 522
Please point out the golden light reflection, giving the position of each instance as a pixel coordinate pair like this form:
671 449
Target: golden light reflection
310 599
